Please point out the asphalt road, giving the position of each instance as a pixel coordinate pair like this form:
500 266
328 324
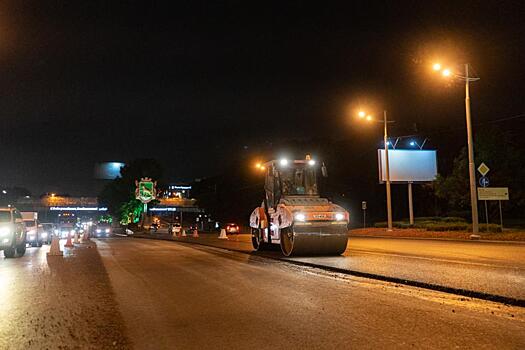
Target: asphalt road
177 296
487 267
58 302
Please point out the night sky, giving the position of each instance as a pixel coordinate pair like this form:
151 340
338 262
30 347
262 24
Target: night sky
193 83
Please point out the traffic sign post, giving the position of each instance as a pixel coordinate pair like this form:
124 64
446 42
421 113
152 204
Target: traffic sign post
484 181
494 194
483 169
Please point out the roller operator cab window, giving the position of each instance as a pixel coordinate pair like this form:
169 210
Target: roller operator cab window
5 216
299 181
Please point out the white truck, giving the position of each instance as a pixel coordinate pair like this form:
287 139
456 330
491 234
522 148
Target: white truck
33 236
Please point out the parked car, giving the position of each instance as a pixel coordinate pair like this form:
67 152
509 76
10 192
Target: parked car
232 228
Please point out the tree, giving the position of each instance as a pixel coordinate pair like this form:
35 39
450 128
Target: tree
119 194
504 158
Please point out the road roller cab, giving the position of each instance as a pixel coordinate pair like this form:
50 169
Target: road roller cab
294 216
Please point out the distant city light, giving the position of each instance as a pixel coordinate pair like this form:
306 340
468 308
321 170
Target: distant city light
311 162
284 162
4 191
446 72
412 143
436 66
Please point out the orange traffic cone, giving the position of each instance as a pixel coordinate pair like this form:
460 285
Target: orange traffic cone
183 234
54 250
69 244
195 233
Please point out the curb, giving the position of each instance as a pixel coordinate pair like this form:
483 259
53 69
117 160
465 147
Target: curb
441 239
435 287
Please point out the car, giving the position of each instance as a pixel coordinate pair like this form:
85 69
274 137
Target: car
102 230
232 228
64 230
12 233
175 228
46 231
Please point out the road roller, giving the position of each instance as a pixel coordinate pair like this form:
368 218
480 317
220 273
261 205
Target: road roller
293 215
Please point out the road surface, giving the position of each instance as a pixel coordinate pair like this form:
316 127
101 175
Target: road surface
178 296
58 302
486 267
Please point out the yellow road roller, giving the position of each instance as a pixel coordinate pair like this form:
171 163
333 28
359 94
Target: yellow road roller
293 215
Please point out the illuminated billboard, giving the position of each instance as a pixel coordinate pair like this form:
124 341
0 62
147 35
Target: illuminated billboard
408 165
108 170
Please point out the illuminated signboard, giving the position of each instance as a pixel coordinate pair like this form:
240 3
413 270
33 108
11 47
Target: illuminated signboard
408 165
78 208
163 209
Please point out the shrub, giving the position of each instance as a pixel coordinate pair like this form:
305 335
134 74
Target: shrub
447 226
483 228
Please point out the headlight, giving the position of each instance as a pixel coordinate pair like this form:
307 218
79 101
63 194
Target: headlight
339 216
99 230
4 231
107 230
300 217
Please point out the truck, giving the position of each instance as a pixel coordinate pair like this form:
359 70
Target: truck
12 232
293 215
34 235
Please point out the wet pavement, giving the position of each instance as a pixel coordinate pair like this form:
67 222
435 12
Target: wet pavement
486 267
180 296
58 302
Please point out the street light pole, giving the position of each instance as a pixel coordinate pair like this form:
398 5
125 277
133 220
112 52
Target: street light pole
387 171
471 167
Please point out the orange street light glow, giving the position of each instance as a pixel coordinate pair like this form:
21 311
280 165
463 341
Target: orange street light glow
369 118
436 67
361 114
446 72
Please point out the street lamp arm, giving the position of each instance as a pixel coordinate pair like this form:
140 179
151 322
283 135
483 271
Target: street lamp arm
464 78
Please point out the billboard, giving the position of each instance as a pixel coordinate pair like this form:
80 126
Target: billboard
408 165
108 170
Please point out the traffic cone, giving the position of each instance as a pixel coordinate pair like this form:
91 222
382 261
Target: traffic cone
183 234
54 250
223 234
69 244
195 233
76 241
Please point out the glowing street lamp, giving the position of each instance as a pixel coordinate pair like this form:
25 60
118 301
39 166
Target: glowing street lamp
471 166
386 143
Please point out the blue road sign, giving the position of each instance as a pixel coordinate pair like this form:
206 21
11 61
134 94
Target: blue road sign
484 181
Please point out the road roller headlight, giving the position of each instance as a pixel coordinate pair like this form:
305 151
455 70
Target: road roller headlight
5 231
300 217
339 216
